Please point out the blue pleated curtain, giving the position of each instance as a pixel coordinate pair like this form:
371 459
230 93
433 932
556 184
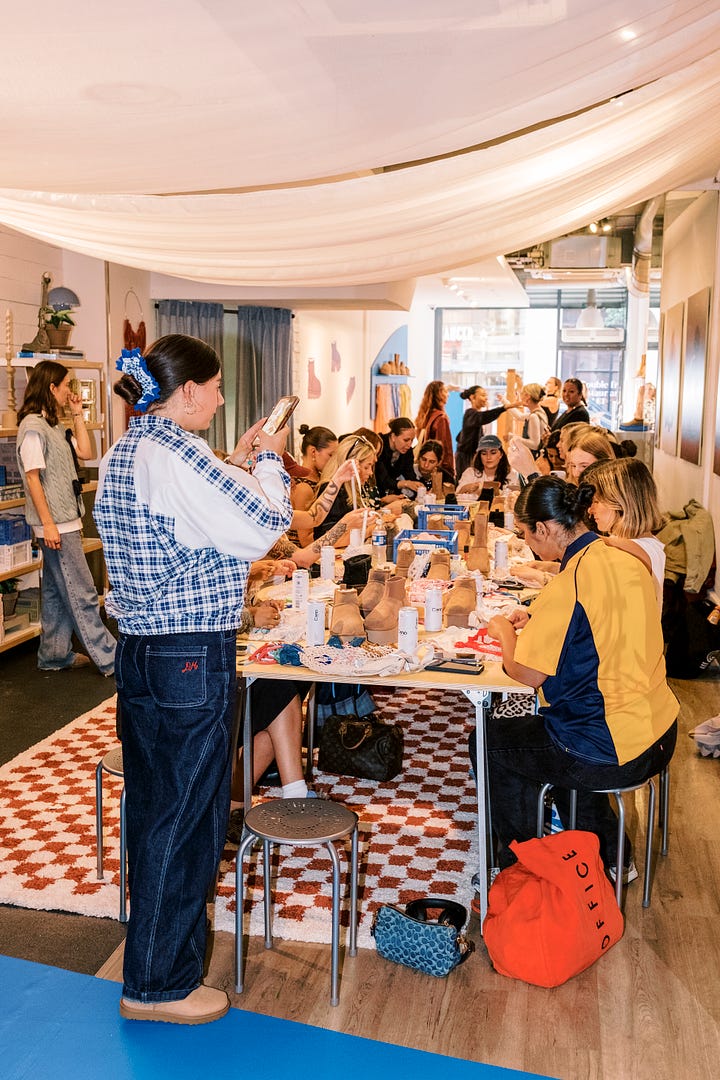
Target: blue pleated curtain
264 362
205 321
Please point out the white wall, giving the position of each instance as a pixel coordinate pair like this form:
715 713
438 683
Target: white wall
691 261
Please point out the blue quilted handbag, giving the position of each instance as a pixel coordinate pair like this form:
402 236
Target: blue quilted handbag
408 937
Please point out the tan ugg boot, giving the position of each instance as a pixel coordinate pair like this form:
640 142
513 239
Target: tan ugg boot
381 625
436 523
459 601
463 530
346 620
405 555
374 591
437 487
439 566
477 557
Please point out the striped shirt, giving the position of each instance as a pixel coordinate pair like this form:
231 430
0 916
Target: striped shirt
180 528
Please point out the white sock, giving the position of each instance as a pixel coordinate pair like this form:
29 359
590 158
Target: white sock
296 790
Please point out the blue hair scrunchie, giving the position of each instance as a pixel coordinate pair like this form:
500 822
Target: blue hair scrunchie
132 362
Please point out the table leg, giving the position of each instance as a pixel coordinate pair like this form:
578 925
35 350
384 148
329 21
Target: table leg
311 718
247 743
481 700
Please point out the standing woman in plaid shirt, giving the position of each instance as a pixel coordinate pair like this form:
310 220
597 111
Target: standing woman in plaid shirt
179 529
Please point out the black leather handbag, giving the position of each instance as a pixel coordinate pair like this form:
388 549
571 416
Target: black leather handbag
360 746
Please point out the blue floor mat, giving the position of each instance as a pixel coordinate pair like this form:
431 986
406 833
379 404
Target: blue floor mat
57 1024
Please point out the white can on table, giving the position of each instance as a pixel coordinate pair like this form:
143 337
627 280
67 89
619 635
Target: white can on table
315 633
408 630
501 554
327 562
433 609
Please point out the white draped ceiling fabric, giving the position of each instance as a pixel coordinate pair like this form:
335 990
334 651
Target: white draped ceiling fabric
278 118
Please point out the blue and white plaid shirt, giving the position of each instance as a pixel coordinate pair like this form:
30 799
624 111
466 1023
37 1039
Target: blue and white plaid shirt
180 528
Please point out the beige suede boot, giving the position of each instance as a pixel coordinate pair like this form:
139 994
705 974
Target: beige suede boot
439 566
459 601
436 523
346 620
477 557
381 624
405 555
374 591
462 528
437 487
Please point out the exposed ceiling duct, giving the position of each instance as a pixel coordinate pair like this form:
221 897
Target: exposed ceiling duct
642 248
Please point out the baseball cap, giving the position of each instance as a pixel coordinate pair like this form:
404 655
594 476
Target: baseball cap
490 442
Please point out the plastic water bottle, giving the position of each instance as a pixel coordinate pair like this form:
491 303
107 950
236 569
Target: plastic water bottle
379 546
300 589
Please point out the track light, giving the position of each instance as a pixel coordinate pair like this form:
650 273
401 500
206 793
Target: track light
593 227
606 225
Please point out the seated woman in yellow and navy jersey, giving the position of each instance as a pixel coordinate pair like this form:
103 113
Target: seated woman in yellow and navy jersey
592 645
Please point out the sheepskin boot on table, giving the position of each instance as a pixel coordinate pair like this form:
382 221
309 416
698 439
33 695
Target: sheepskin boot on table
436 523
439 566
459 601
381 625
477 557
374 591
463 530
405 556
346 621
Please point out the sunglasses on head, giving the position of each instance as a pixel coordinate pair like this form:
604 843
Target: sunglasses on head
360 439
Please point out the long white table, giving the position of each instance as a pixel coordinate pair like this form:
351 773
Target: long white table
476 688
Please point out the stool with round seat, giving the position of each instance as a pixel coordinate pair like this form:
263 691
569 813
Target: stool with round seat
618 793
299 823
111 763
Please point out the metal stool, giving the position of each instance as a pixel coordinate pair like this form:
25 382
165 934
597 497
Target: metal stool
299 822
112 763
664 778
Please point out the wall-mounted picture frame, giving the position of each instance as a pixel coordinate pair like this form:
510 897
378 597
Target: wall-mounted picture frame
670 365
694 366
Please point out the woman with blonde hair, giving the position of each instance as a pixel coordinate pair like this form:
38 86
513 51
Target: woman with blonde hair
433 423
625 508
535 422
588 447
349 493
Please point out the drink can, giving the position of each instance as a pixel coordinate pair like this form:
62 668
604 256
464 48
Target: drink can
327 562
509 521
501 554
433 610
356 538
300 589
408 630
315 634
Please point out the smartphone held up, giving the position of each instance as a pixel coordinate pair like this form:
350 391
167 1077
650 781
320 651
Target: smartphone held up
280 414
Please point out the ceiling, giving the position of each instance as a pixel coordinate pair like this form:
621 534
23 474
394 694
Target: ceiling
310 143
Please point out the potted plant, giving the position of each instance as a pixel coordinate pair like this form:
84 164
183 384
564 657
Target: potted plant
9 593
59 326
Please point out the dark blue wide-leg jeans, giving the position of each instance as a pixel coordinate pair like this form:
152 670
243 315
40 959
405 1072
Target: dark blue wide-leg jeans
177 694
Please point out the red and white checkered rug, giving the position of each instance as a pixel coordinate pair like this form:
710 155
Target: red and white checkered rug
417 832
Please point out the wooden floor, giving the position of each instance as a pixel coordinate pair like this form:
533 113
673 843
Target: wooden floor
649 1009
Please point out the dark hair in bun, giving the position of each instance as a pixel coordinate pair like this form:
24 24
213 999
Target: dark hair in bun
319 437
172 361
551 499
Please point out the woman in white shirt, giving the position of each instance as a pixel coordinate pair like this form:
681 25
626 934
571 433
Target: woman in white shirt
490 465
535 422
625 507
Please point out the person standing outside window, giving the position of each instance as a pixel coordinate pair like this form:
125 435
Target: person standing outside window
180 529
54 508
